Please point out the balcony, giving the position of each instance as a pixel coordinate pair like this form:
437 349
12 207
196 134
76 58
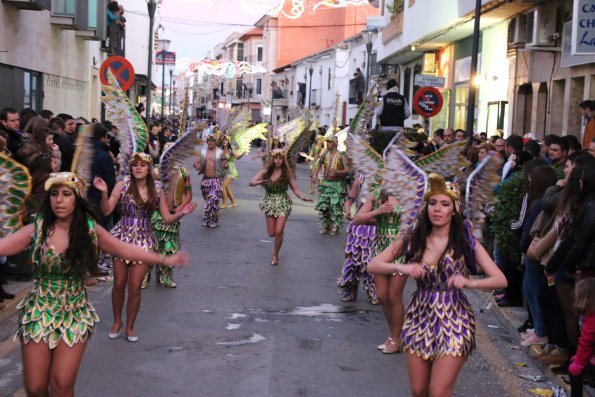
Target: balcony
34 5
356 91
86 17
393 28
280 98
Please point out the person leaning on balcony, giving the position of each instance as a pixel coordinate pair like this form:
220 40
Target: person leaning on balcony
394 109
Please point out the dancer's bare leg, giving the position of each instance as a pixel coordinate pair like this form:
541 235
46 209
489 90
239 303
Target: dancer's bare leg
137 273
118 292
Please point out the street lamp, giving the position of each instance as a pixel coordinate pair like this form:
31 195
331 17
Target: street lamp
473 74
163 46
174 97
171 75
368 36
151 7
311 70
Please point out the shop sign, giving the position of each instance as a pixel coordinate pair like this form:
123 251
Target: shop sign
583 27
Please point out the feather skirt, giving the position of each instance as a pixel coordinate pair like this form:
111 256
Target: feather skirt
358 248
330 203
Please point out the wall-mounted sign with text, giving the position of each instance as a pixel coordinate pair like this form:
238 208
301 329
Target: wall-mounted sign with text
165 57
583 27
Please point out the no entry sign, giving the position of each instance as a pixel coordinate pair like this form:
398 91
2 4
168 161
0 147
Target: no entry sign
122 70
427 101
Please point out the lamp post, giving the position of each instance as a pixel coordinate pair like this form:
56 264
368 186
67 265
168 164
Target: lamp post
173 93
151 7
163 46
368 36
473 74
171 75
311 70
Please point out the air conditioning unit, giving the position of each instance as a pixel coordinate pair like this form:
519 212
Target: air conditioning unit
541 26
517 31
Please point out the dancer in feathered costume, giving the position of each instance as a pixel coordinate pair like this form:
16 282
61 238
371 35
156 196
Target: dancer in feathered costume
358 249
138 195
439 251
359 244
276 178
211 163
175 181
332 188
242 140
56 318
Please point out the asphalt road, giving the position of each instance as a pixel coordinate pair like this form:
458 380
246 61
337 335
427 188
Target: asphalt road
236 326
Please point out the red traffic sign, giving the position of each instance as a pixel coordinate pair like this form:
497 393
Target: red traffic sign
122 70
427 101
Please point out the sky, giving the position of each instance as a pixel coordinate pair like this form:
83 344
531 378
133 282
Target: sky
196 26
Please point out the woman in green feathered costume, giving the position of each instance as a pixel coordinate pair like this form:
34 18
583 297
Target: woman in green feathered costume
168 235
276 177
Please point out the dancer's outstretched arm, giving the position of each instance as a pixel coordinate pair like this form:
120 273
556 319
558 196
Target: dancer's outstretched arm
18 241
112 245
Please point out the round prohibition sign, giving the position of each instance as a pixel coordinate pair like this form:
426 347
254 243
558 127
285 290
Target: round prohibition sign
122 70
427 101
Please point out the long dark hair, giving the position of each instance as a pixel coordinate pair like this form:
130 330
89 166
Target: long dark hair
580 185
81 255
458 238
540 179
151 202
286 174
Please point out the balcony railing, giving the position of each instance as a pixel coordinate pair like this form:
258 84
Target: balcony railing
356 91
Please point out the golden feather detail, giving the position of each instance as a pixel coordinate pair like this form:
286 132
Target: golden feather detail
15 189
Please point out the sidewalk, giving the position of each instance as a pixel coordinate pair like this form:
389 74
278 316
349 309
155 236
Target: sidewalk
19 289
511 318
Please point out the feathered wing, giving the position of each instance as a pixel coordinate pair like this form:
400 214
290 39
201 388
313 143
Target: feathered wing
82 160
447 161
175 155
479 189
132 131
365 112
407 182
244 138
342 139
288 132
366 161
298 144
15 188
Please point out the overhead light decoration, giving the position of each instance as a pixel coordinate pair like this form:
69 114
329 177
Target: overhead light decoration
228 69
297 7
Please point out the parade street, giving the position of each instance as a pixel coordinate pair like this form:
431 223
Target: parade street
237 326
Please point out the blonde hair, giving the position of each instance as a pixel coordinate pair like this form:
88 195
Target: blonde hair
584 296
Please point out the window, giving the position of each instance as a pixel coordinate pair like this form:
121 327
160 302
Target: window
240 50
31 90
258 86
63 7
461 95
259 53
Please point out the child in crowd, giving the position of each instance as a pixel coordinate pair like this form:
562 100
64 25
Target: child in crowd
583 362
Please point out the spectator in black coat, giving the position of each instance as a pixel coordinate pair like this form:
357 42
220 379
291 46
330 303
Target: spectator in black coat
102 166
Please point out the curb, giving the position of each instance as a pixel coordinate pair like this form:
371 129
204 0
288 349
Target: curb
506 318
